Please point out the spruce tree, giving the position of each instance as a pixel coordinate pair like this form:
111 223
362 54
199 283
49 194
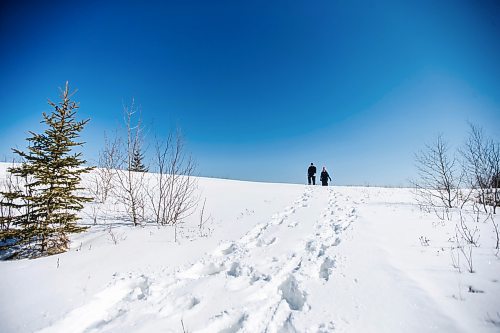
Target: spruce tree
52 171
136 164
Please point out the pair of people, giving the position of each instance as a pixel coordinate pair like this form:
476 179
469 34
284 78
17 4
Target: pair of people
311 176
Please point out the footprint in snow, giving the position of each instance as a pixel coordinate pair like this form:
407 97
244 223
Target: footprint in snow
226 249
261 242
292 294
178 305
326 328
325 269
279 218
311 246
227 322
235 269
200 269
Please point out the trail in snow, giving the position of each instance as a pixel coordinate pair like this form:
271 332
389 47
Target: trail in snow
255 284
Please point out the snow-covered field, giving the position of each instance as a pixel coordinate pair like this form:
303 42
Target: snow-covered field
271 258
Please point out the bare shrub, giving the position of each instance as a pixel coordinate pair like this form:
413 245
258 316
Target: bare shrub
167 196
438 185
462 249
494 160
466 239
129 189
469 234
466 250
172 195
114 237
496 230
102 179
203 219
482 165
424 241
104 175
455 258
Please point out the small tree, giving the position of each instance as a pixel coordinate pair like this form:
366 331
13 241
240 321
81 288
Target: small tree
50 202
137 157
130 184
172 197
438 183
109 160
482 165
494 160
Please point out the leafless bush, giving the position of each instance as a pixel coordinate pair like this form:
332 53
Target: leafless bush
466 250
424 241
462 249
104 175
482 167
158 191
497 233
464 195
129 188
166 196
131 194
466 239
114 237
468 234
455 258
172 196
438 185
203 219
494 161
102 179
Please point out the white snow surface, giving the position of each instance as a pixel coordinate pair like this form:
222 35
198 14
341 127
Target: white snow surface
271 258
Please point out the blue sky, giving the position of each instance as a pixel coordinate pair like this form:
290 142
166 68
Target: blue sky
261 88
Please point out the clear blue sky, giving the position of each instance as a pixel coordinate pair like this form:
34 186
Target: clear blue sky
261 88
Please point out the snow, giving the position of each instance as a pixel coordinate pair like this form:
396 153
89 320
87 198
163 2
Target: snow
272 258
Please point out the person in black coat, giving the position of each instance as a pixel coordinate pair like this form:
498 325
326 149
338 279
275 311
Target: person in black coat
311 174
324 177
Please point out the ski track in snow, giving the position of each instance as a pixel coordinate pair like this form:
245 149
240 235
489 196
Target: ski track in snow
261 283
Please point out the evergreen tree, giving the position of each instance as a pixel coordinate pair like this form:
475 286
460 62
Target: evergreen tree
52 172
136 163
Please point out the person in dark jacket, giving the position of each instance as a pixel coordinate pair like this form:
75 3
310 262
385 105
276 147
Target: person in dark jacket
311 174
324 177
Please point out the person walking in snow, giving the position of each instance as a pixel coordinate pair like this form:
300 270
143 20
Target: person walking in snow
324 177
311 174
